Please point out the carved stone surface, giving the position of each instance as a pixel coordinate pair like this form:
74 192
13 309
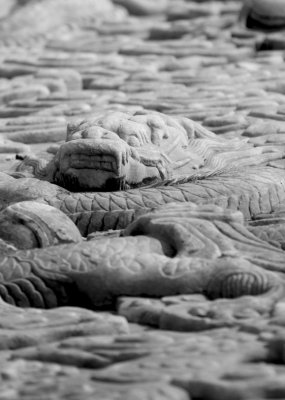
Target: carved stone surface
31 327
118 151
176 249
142 200
30 224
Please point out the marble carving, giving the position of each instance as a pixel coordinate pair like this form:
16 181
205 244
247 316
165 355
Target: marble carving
142 200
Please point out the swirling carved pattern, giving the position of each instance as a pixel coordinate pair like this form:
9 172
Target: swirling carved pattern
210 267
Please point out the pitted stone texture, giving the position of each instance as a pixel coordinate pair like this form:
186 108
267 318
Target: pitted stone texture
157 353
194 313
173 353
26 379
219 361
31 327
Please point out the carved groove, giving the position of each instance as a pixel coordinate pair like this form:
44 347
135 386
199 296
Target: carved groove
242 284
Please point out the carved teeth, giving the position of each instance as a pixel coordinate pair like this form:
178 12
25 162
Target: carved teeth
80 161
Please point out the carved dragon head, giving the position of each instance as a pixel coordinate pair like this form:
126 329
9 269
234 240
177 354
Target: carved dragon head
118 151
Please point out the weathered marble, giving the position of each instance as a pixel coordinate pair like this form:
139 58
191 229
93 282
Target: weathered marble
27 379
176 249
156 301
258 190
31 327
31 224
